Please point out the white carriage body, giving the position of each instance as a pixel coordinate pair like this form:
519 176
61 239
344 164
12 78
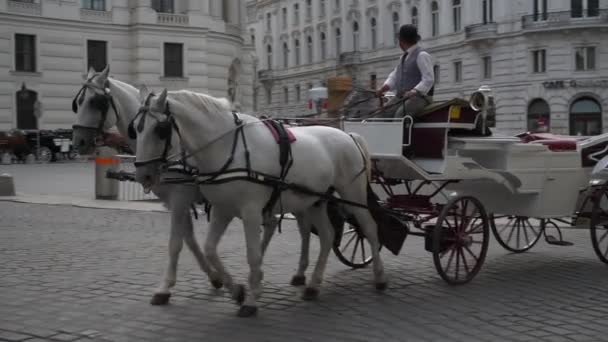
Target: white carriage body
509 176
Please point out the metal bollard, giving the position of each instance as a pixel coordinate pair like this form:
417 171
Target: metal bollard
7 185
106 160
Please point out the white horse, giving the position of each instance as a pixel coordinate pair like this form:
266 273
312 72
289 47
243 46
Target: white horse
104 102
222 143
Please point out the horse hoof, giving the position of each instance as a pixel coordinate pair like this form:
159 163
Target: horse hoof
239 294
298 280
217 284
247 311
160 299
310 293
381 286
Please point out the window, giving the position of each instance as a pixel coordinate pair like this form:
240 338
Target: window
321 8
487 67
296 14
539 115
436 73
396 26
284 18
298 94
593 8
539 61
577 8
174 60
458 72
296 43
269 56
97 54
268 21
435 18
338 42
373 81
96 5
308 9
337 5
585 58
285 95
163 6
355 36
373 32
540 10
488 11
285 55
457 9
253 40
269 95
585 117
323 46
309 49
25 52
415 16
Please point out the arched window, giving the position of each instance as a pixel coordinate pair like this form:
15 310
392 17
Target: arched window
269 56
539 116
457 15
310 49
296 43
396 27
435 18
338 42
355 36
415 16
585 117
323 46
285 55
374 29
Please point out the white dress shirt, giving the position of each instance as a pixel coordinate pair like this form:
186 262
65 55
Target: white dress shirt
425 64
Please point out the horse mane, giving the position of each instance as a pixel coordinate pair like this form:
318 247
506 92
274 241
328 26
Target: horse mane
205 102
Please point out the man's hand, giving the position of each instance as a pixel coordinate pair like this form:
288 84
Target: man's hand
382 90
411 93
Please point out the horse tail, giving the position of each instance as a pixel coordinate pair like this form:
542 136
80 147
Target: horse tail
367 159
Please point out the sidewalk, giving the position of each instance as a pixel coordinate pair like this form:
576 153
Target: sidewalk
86 203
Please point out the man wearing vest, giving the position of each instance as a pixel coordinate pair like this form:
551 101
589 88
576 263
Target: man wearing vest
412 80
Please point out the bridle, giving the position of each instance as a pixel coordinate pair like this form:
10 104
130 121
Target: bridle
101 102
163 129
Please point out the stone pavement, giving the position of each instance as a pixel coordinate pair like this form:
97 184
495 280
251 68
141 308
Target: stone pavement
74 274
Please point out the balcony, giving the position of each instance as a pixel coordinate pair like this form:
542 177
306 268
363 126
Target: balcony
565 19
265 75
173 19
95 15
349 58
24 7
481 31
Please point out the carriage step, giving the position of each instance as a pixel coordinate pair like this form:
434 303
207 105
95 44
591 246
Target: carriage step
553 241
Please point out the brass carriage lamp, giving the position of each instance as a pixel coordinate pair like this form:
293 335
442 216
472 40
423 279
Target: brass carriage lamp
482 101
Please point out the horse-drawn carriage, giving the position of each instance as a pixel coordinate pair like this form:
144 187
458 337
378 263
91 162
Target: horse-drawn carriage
446 178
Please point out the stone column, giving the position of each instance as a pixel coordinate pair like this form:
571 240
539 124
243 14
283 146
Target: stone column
233 11
215 8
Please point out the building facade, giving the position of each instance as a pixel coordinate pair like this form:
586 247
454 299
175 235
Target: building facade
47 46
544 60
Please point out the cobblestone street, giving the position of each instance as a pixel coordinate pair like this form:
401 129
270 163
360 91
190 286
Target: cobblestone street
87 274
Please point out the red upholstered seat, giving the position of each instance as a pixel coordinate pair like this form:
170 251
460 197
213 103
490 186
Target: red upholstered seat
553 141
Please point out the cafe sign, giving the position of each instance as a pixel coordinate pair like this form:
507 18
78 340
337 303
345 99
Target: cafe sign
561 84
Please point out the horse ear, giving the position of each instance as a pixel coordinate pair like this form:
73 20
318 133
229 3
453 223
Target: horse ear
91 73
162 99
143 93
105 73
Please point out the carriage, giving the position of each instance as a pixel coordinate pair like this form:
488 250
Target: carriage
445 177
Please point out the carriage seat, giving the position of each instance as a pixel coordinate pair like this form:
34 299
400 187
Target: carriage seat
556 143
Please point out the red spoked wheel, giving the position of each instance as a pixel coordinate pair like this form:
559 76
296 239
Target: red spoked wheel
599 224
460 240
519 234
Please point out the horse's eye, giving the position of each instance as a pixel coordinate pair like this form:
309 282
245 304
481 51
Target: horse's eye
131 131
163 130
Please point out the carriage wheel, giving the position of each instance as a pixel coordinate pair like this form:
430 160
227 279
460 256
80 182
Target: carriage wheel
460 240
519 234
599 225
352 248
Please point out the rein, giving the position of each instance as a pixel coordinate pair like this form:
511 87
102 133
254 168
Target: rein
103 108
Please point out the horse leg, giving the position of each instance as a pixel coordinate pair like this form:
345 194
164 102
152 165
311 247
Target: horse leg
370 230
319 218
251 223
299 279
163 293
269 226
217 226
194 247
